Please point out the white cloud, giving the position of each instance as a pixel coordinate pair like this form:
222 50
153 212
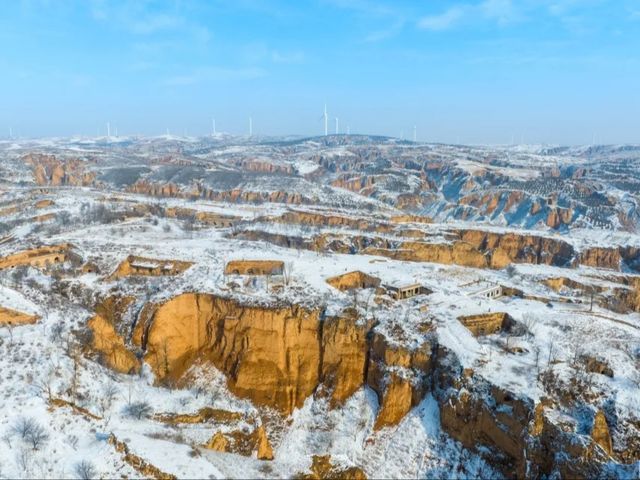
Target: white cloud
154 23
143 18
443 21
257 53
287 57
383 34
502 11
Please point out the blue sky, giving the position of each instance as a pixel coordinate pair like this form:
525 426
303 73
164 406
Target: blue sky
476 71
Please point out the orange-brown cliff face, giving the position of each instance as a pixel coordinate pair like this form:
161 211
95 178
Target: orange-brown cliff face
397 375
344 356
278 357
558 217
107 341
48 170
470 248
235 195
269 355
513 433
600 433
489 202
263 167
519 248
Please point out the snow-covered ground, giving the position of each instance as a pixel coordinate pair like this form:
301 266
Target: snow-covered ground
39 362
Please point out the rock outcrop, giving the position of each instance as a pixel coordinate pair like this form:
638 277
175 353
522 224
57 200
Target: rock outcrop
323 469
353 280
105 337
269 355
242 443
48 170
398 376
344 356
12 318
600 432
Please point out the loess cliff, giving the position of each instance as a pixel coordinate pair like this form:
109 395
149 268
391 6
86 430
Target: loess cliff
277 357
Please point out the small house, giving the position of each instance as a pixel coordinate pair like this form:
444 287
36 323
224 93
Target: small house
403 291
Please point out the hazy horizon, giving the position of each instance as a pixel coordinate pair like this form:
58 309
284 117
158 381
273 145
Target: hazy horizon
476 72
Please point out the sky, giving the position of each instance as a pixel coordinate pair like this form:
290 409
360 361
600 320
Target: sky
469 71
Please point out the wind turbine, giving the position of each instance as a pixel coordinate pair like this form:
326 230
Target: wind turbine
348 130
108 130
337 124
326 121
250 126
213 125
414 134
10 132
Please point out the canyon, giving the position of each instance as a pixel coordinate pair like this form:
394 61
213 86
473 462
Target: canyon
348 306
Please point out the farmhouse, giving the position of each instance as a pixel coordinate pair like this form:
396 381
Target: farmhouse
482 289
151 267
403 291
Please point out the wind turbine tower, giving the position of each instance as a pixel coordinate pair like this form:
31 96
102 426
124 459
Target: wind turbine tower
250 126
10 132
414 134
326 121
213 125
337 126
108 130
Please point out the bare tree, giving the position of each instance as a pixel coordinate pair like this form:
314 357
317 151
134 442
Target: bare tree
536 353
529 320
551 357
30 431
107 397
592 293
10 330
287 272
23 460
85 470
22 426
75 373
46 385
138 410
38 436
57 331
